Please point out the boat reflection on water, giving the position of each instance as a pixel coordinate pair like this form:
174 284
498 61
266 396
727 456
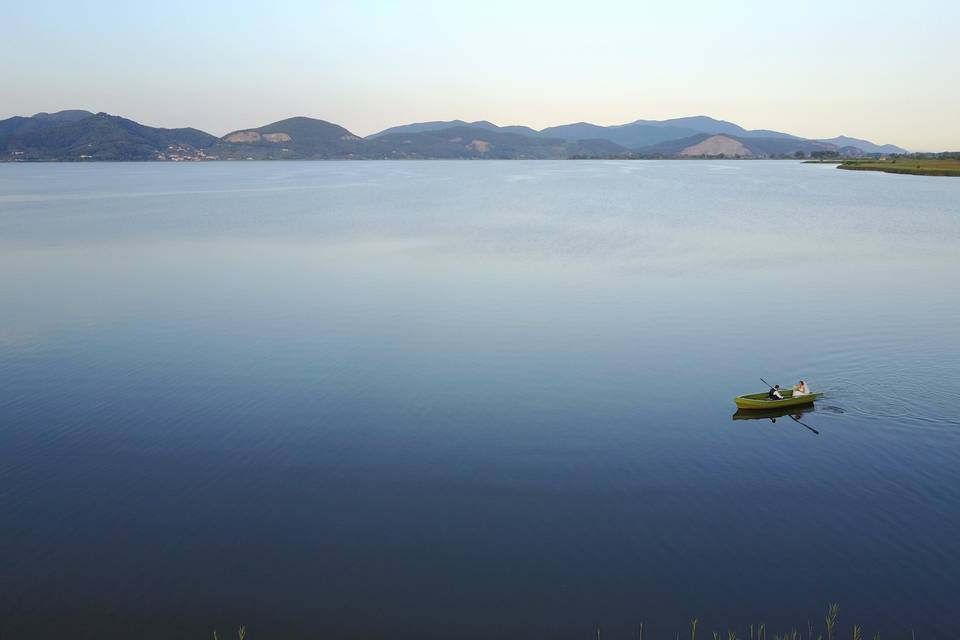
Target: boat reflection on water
795 413
772 414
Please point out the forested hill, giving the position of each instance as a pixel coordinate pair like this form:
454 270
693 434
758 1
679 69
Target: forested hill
78 135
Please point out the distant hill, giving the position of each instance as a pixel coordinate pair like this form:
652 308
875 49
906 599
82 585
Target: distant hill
21 124
865 145
291 139
631 135
306 138
700 124
669 148
437 125
81 135
705 144
67 115
97 137
478 142
706 124
596 148
785 146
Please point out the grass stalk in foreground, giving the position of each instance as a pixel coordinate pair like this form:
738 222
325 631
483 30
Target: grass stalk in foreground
755 631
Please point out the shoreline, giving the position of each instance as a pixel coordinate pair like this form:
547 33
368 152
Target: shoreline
906 166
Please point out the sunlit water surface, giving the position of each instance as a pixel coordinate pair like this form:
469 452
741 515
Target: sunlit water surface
475 399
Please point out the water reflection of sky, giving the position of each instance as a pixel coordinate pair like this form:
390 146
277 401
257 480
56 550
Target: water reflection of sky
505 386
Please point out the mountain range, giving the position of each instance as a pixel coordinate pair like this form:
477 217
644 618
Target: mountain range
81 135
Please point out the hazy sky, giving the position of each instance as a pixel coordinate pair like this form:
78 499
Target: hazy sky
886 71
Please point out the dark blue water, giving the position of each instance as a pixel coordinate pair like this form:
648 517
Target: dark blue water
475 399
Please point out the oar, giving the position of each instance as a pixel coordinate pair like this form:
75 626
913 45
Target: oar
806 425
769 386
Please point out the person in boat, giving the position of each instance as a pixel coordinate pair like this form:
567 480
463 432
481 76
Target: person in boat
801 389
774 393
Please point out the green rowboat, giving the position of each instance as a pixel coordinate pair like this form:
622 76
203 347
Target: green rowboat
762 402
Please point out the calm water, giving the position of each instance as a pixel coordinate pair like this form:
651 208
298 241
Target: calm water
474 399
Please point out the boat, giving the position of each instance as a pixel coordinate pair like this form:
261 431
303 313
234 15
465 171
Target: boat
762 402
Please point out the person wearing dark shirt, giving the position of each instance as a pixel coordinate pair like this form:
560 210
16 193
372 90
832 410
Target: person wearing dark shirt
774 393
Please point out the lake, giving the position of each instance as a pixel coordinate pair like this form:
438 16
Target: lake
475 399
